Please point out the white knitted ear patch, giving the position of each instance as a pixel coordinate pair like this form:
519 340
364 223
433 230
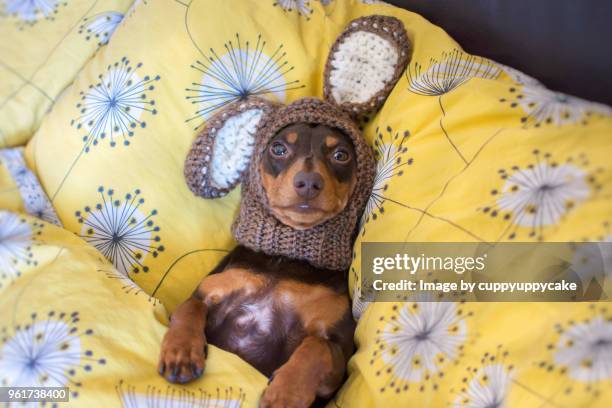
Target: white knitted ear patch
233 148
363 64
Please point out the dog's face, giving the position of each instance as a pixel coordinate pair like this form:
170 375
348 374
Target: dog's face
308 173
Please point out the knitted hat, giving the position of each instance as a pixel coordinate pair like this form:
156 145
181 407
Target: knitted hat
327 245
364 64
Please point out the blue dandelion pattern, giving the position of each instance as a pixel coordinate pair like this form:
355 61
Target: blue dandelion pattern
116 106
101 26
47 351
242 70
35 200
121 230
17 237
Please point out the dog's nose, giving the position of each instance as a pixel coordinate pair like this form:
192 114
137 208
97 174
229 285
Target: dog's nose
308 185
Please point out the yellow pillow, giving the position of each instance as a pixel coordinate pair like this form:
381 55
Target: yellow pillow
43 45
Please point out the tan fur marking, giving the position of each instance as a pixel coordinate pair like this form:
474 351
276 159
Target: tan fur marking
318 306
292 137
331 141
214 288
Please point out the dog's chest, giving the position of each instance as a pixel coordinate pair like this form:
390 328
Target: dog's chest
265 326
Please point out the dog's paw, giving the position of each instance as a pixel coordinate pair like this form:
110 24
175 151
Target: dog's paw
182 357
283 392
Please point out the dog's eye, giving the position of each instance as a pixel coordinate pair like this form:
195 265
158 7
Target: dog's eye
278 149
341 156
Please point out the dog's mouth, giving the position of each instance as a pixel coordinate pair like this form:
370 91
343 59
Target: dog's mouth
301 215
304 208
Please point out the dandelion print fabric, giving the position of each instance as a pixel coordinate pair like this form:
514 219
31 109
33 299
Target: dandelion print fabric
43 45
70 319
467 150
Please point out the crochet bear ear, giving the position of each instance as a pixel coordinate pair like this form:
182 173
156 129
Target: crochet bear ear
365 63
222 151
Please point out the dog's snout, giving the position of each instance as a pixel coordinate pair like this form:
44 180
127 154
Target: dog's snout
308 185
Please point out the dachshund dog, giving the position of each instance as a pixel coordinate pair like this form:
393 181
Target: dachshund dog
280 299
285 317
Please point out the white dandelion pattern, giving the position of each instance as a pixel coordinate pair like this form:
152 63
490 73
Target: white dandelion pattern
364 288
121 230
390 152
359 306
301 6
243 70
585 349
101 26
446 74
16 240
518 76
173 397
545 107
36 202
592 262
417 341
452 70
540 194
128 286
46 352
488 388
31 11
114 107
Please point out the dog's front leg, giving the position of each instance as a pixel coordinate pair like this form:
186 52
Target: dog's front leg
316 368
183 349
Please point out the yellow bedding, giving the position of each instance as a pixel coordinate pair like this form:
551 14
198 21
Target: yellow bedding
70 319
467 150
43 45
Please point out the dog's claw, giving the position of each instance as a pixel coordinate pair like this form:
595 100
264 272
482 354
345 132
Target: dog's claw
182 356
197 371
